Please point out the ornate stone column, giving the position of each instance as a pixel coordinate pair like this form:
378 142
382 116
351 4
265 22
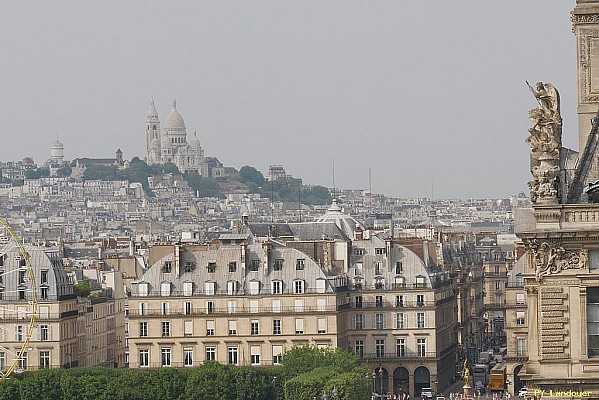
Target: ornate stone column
533 345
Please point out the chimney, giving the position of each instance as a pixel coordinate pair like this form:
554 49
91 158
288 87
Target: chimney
267 246
244 249
176 260
358 233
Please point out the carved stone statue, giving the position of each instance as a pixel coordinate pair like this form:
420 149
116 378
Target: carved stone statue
545 143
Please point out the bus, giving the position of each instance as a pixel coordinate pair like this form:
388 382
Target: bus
497 378
480 373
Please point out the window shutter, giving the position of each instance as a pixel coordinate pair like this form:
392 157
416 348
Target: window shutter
253 306
188 328
322 325
321 304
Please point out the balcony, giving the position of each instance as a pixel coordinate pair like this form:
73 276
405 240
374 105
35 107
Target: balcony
398 286
388 305
495 274
226 311
264 291
513 304
406 356
38 317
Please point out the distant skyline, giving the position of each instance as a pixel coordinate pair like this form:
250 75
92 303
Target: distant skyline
431 96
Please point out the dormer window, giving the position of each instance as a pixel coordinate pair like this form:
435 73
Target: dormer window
379 251
44 277
22 277
233 266
254 265
278 265
398 268
189 266
187 288
299 264
359 252
167 267
232 287
165 289
211 267
142 289
21 262
298 287
378 268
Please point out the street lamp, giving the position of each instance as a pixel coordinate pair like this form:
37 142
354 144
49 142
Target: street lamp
381 380
373 383
334 392
325 396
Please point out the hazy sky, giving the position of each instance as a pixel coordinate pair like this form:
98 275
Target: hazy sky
426 93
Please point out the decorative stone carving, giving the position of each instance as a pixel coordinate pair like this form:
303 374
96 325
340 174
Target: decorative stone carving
551 258
545 141
584 19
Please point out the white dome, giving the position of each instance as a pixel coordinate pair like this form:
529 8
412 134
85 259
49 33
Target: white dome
174 121
345 222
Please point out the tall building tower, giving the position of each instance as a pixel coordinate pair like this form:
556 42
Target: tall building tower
56 153
585 24
153 145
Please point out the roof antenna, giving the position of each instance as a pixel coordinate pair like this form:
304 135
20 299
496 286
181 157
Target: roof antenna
334 187
369 190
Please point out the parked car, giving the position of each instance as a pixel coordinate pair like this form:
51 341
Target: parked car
522 392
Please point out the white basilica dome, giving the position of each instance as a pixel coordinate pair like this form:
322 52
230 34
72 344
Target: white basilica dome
174 120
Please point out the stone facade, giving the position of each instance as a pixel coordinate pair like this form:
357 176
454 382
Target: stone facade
561 279
68 331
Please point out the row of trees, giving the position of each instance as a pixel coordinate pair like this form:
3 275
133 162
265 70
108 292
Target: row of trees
306 374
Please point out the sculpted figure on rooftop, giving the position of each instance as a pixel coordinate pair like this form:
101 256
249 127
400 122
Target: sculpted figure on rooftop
545 141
